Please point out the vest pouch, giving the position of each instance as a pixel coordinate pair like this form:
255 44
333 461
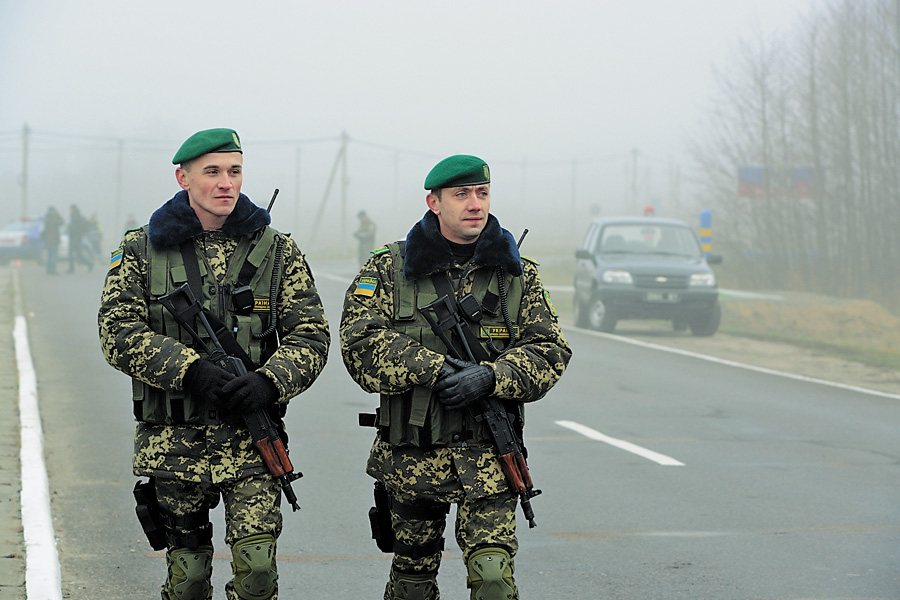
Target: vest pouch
191 412
398 413
154 405
149 402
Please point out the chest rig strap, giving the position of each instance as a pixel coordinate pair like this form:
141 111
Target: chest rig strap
443 287
192 268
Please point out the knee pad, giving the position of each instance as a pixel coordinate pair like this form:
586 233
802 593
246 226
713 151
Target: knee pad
190 572
491 575
409 586
255 573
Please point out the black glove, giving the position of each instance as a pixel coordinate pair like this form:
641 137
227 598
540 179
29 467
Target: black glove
205 380
450 367
248 392
472 382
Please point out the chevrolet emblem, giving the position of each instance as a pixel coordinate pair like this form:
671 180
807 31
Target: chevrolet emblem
661 279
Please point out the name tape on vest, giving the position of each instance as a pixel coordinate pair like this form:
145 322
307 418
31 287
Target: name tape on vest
496 331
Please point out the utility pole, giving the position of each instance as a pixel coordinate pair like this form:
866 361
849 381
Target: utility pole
574 210
339 161
295 214
26 134
634 182
344 182
118 216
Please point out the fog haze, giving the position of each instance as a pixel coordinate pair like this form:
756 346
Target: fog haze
565 102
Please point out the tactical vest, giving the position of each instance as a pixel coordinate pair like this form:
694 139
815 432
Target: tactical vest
415 418
252 264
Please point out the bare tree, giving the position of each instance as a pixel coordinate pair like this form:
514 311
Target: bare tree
823 104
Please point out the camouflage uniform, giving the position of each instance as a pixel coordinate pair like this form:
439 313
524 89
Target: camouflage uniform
429 455
196 458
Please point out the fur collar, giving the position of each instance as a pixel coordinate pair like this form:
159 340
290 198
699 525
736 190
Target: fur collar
175 221
427 252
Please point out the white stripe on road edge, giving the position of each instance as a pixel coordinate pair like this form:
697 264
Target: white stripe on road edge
725 293
662 459
42 575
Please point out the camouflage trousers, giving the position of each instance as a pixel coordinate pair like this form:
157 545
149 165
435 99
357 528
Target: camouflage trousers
489 521
252 506
468 476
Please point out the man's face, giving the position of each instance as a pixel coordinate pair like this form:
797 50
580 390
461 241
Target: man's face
213 183
462 211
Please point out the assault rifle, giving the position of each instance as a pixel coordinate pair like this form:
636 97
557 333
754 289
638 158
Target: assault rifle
512 459
183 306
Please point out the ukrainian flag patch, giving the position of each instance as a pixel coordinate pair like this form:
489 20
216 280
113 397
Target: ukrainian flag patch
549 304
365 286
116 259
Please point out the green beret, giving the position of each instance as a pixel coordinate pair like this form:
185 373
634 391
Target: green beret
458 170
208 140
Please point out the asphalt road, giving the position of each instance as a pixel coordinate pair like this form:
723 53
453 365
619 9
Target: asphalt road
786 489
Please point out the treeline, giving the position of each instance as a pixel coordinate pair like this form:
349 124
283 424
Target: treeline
801 160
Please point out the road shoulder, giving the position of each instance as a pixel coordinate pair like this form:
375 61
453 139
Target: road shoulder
776 356
12 545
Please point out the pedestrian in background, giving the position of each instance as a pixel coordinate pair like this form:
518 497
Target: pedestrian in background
78 229
191 439
130 223
365 235
431 448
94 238
50 234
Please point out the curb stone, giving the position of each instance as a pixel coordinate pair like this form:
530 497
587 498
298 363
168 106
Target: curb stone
12 544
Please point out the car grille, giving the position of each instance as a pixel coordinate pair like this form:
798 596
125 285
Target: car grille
660 282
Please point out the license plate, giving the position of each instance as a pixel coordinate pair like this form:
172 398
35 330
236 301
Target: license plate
663 297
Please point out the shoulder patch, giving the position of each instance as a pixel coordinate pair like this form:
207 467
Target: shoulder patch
550 306
116 258
529 259
365 286
380 251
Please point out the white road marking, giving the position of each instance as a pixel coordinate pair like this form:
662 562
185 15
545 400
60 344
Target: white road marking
662 459
42 573
725 293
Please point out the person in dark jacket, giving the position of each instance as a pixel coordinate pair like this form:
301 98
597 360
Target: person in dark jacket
51 236
78 229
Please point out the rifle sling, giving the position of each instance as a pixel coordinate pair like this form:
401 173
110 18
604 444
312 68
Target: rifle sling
442 286
220 331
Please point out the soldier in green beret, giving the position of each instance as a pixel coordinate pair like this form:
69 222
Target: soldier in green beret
190 439
431 448
365 235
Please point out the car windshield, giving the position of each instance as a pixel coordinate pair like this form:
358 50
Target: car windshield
649 239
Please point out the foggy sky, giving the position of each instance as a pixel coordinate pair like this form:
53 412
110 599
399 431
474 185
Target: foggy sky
512 82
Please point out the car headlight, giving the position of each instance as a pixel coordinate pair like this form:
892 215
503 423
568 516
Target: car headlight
703 280
616 276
